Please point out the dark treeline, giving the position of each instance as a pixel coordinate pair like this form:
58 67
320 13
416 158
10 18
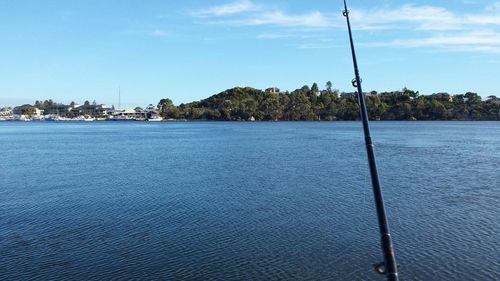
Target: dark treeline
311 103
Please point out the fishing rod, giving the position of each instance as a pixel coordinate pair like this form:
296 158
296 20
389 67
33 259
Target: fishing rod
389 266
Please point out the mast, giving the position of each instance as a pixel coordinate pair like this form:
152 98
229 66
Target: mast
119 98
389 266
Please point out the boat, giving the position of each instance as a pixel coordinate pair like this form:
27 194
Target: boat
24 118
155 119
88 119
54 117
37 118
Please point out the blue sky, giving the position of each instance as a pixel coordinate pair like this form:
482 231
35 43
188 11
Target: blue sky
188 50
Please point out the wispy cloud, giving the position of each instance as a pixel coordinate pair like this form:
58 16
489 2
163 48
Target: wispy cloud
256 14
273 36
482 20
422 17
292 34
425 18
495 7
280 18
403 17
233 8
159 33
483 41
438 27
316 46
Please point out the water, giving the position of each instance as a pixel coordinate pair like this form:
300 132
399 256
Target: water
246 201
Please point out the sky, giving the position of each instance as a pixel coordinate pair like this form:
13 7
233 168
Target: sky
188 50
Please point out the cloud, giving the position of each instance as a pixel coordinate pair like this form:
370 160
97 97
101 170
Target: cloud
483 41
495 7
233 8
315 46
482 19
159 33
273 36
230 14
438 27
280 18
490 17
296 35
424 18
441 28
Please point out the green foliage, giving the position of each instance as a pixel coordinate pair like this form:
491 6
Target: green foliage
311 103
167 109
28 110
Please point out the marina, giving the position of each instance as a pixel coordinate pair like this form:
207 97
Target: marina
75 112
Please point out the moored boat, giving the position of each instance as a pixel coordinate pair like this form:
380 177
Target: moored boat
155 119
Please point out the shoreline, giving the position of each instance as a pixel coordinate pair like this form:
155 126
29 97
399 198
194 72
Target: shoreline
235 121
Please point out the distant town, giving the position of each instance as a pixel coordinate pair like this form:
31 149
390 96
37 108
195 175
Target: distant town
272 104
49 110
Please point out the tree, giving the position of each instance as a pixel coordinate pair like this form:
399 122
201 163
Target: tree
299 107
311 104
315 89
28 110
329 86
271 107
472 98
492 98
167 108
412 94
437 109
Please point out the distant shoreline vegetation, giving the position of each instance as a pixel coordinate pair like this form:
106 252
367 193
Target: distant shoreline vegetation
311 103
304 104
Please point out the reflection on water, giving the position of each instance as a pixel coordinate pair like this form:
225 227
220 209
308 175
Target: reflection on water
246 201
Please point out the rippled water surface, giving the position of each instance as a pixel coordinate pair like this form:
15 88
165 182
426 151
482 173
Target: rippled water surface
246 201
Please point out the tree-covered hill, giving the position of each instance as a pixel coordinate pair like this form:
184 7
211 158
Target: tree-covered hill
311 103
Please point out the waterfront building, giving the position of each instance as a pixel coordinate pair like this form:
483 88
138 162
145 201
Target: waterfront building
91 110
57 109
27 109
6 111
124 114
151 112
273 90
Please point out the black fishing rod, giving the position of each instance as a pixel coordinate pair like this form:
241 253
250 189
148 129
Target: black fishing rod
389 266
